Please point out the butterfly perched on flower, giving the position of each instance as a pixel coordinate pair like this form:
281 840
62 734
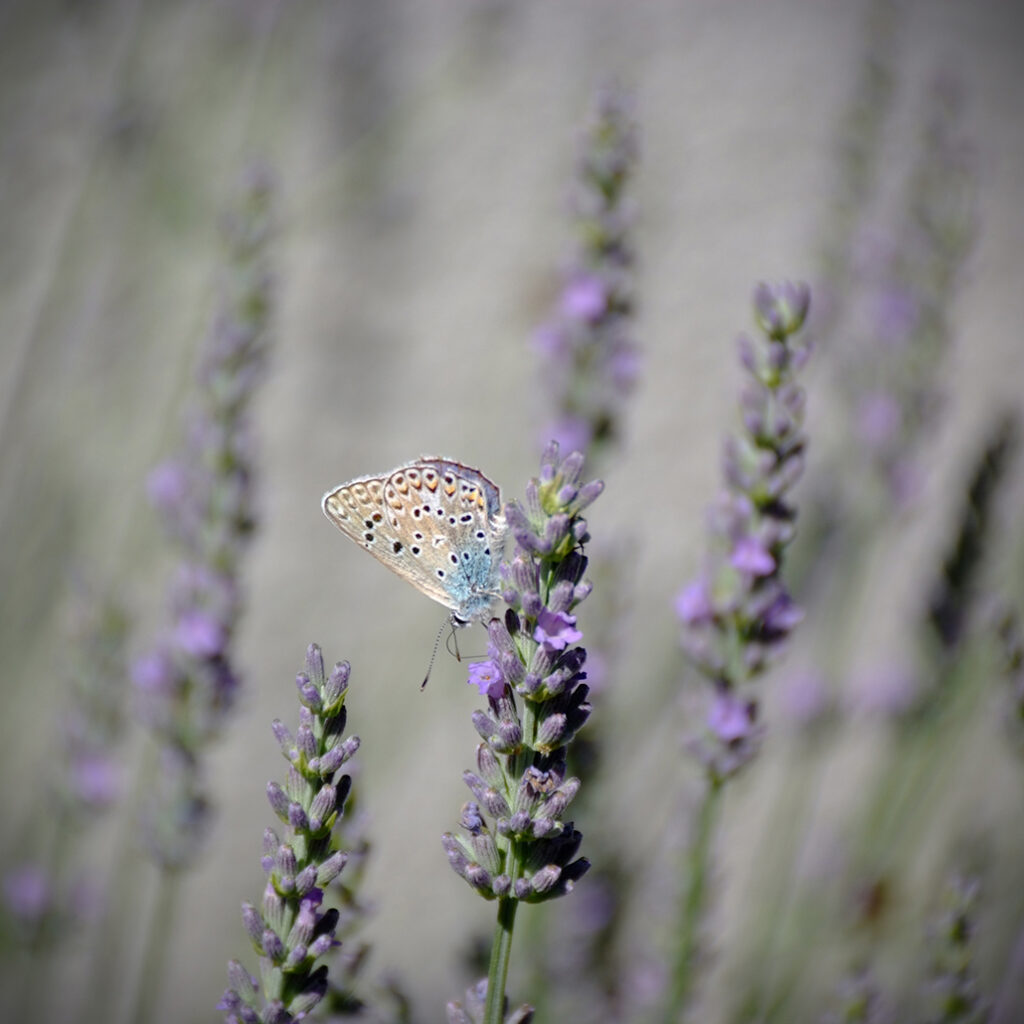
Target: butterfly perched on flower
436 523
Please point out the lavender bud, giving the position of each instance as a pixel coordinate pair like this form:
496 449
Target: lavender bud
545 879
488 765
305 880
278 800
323 808
272 946
337 683
331 868
253 923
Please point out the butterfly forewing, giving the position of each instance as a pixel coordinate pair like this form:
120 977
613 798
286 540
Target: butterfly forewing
434 522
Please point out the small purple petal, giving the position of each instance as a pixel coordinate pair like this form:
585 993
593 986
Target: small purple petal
27 892
693 605
584 298
153 672
730 719
199 634
750 556
167 486
556 630
487 678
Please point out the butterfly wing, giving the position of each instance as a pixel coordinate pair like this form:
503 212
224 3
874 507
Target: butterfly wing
434 522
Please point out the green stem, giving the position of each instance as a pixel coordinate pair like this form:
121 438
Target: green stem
154 957
501 948
500 954
696 867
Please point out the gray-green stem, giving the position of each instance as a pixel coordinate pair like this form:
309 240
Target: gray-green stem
696 868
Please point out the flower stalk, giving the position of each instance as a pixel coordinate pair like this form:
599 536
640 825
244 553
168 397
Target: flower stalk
514 844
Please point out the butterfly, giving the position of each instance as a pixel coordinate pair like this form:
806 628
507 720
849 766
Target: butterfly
436 523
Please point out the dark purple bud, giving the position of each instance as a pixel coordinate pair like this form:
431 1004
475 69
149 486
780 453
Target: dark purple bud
501 885
523 889
470 819
272 946
478 877
510 737
297 817
519 823
296 955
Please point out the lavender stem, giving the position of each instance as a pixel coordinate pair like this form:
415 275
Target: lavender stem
693 905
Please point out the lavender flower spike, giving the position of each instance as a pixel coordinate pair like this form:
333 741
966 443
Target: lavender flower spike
514 844
736 614
293 930
186 684
589 355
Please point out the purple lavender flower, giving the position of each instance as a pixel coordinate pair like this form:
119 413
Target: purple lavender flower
187 682
292 930
487 678
590 358
736 613
514 844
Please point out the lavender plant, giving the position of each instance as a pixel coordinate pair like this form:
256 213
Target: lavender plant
952 992
513 844
292 931
737 613
590 358
904 285
47 896
187 683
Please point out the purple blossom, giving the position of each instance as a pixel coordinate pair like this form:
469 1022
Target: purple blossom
199 634
96 779
27 893
487 678
750 556
730 718
879 419
584 297
693 605
154 672
167 486
556 630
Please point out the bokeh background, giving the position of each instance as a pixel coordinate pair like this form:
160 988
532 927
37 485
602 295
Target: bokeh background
422 154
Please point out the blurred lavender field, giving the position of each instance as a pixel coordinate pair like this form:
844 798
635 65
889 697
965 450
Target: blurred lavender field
418 162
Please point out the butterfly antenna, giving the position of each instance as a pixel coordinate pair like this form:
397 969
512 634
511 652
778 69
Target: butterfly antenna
430 667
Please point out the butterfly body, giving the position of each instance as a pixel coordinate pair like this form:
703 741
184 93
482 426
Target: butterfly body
436 523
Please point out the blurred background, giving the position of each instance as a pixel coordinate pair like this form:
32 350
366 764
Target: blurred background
422 156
